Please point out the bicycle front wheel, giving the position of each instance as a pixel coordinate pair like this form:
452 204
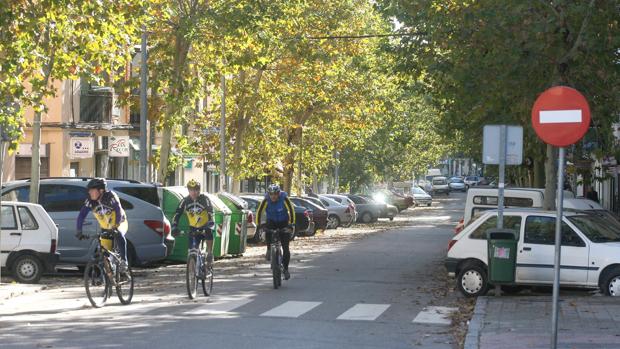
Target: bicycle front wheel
190 276
124 285
207 282
97 284
275 268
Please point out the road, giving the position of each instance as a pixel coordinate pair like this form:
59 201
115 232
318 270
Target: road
344 293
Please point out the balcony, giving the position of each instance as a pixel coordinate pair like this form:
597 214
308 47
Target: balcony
96 105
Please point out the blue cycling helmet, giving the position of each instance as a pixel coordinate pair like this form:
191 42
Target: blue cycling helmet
273 189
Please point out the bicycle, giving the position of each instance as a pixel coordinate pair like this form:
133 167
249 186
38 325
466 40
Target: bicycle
103 272
275 249
197 267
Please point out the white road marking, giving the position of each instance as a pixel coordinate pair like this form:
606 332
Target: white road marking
364 312
220 306
435 316
292 309
559 116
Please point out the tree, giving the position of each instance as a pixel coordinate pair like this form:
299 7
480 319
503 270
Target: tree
56 40
486 62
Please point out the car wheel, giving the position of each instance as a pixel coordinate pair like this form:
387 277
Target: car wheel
611 283
428 205
366 217
27 269
333 222
472 280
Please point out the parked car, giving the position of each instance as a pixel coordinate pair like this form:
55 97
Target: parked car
471 181
481 199
457 184
409 201
319 214
387 210
440 185
303 218
148 238
29 241
387 197
344 200
421 197
368 211
590 251
337 213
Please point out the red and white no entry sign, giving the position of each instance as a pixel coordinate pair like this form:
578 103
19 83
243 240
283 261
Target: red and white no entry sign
561 116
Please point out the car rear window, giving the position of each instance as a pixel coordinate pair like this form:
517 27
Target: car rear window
28 221
508 201
148 194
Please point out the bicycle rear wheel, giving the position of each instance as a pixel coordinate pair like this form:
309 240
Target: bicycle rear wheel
124 285
190 276
275 268
97 284
207 282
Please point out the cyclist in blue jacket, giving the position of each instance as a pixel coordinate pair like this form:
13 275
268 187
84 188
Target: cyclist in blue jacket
280 213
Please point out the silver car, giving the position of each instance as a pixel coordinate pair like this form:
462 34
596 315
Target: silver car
148 237
338 214
344 200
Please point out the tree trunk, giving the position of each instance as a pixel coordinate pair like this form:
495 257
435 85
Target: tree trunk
539 174
550 179
35 163
180 61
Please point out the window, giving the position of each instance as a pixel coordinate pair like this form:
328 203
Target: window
145 193
598 227
18 194
508 201
28 221
541 231
62 198
8 218
252 205
126 205
510 222
325 202
439 182
358 200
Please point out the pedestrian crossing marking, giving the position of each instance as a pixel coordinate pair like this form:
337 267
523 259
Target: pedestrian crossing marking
220 305
435 316
364 312
291 309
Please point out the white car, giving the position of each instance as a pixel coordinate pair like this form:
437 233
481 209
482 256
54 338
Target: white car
421 197
590 251
29 241
471 181
440 185
457 184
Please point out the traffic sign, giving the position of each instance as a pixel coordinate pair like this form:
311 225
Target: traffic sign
561 116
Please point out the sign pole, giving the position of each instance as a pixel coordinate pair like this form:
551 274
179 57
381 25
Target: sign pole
503 144
558 250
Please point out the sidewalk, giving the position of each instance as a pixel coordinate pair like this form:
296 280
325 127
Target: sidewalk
10 290
586 322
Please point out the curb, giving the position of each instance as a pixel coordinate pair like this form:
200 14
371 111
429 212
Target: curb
472 339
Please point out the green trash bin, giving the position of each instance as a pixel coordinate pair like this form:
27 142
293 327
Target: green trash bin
238 223
502 253
221 231
171 197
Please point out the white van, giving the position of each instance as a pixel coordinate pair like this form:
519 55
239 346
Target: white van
482 199
29 240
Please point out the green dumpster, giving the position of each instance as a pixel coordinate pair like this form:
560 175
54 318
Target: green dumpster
502 248
238 223
171 196
221 218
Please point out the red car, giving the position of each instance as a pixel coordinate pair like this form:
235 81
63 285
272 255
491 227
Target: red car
319 213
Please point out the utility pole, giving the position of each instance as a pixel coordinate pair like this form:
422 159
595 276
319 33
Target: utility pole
223 179
337 173
301 160
144 128
1 175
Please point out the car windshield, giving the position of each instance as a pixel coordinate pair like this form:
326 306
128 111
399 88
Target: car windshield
597 228
418 191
